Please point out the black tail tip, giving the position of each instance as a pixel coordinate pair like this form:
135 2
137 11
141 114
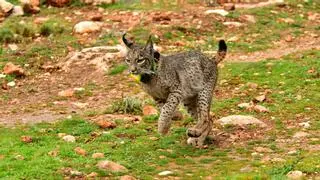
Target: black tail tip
222 45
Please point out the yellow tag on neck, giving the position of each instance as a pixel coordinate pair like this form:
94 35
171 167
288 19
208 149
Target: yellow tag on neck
136 77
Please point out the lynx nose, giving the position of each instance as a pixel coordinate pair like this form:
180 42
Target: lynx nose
133 70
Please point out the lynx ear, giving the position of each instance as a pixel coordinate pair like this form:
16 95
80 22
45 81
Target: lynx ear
149 45
126 42
150 48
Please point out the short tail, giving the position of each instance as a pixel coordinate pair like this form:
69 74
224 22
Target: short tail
222 51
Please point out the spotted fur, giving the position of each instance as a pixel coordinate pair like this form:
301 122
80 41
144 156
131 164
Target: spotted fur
187 77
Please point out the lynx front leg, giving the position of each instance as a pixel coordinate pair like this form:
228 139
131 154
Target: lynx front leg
167 112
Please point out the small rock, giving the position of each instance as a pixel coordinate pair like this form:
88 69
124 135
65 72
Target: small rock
263 150
295 175
53 153
165 173
288 38
106 124
233 39
75 173
69 138
240 120
232 24
246 169
58 3
252 85
248 18
2 75
19 157
287 20
13 47
87 27
221 12
17 11
30 6
229 6
153 138
305 125
80 151
260 98
259 108
149 110
127 177
313 16
26 139
276 159
256 155
12 69
300 135
60 135
79 89
111 166
96 17
245 105
40 20
97 155
92 175
66 93
293 152
11 84
80 105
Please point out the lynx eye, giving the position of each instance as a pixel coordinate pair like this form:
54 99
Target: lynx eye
127 61
141 61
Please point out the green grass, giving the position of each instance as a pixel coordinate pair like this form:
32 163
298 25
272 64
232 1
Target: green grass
117 69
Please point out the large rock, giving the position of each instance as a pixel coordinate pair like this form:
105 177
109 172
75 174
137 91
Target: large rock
58 3
87 27
111 166
12 69
31 6
5 7
240 120
17 11
97 2
295 175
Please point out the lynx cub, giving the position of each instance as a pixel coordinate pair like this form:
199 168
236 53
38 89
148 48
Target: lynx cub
187 77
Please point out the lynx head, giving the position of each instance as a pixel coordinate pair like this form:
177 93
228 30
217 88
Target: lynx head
141 59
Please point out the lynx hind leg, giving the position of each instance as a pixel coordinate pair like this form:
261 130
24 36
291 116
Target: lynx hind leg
203 127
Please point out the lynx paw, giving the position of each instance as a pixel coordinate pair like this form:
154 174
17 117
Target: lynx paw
196 142
193 132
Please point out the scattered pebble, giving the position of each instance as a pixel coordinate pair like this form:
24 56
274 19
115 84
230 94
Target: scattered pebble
300 135
80 151
69 138
97 155
111 166
26 139
165 173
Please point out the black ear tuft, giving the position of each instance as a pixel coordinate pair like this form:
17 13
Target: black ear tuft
126 42
222 45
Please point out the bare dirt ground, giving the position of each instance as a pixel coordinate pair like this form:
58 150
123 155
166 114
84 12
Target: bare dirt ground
285 48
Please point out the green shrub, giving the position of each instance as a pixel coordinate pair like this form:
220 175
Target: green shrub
6 35
127 105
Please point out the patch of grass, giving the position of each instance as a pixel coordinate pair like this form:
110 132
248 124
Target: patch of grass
117 69
126 105
51 27
6 35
